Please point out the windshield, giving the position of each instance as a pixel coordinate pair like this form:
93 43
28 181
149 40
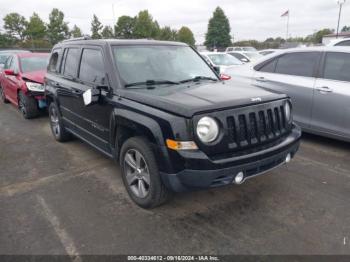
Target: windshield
145 63
224 59
253 55
249 49
34 63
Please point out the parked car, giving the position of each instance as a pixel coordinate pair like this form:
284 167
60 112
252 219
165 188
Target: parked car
318 81
267 51
164 113
243 58
21 82
221 60
246 57
241 49
340 42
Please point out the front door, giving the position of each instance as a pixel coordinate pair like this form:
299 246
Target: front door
331 110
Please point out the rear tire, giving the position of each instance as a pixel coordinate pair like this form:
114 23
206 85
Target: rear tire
141 175
28 106
57 127
2 96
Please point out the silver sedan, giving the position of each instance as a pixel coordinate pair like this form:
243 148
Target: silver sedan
317 80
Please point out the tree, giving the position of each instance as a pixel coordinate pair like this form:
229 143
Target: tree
167 34
36 28
107 32
185 35
57 29
346 29
15 25
125 27
218 34
7 40
76 31
318 36
96 28
145 27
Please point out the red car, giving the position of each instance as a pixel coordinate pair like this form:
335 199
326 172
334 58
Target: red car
21 82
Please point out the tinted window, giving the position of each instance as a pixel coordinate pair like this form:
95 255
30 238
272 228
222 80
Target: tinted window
344 43
298 64
32 64
238 56
269 67
71 62
54 60
92 67
8 62
337 66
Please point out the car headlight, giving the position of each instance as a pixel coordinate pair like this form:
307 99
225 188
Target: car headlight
288 112
35 87
207 129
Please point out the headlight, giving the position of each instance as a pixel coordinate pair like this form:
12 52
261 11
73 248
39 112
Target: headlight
207 129
288 112
35 87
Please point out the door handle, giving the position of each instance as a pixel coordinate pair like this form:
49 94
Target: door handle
324 89
261 79
56 84
77 91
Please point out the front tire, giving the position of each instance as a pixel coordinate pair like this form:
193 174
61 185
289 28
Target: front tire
2 95
57 127
140 173
28 106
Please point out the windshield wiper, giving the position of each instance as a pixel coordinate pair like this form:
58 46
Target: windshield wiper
198 78
149 83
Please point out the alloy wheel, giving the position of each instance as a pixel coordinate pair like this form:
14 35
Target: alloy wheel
54 122
137 173
22 104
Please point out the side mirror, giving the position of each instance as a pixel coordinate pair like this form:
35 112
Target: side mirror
9 72
91 96
245 60
225 77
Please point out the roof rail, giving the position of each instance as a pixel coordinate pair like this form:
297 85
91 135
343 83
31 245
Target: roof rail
85 37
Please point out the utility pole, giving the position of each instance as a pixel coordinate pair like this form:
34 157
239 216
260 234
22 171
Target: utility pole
340 3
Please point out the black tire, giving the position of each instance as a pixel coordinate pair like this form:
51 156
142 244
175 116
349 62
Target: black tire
57 127
157 192
28 106
2 96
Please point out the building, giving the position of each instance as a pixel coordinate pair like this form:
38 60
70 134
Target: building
329 38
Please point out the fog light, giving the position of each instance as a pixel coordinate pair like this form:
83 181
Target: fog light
239 178
288 158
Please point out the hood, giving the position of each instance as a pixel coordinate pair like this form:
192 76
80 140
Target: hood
36 76
188 100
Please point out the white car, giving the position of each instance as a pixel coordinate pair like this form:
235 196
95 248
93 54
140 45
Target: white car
245 57
340 42
267 51
221 60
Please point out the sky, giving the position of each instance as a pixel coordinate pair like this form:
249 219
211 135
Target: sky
249 19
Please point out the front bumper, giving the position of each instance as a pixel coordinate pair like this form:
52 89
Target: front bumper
223 172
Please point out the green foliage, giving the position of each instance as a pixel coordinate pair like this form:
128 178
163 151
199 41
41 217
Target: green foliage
35 43
7 40
185 35
15 25
96 27
345 29
218 34
317 39
57 29
167 34
145 27
124 28
36 28
76 32
107 32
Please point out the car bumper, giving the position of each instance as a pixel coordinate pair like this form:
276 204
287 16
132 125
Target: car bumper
223 172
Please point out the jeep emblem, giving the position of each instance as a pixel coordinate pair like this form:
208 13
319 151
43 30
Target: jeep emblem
256 99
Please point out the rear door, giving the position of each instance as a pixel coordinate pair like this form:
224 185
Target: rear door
12 83
331 111
292 74
93 120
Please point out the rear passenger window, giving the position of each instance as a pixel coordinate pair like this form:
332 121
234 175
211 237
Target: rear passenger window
344 43
72 56
337 66
92 67
297 64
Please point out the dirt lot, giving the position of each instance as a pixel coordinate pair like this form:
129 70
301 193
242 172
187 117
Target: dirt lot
68 198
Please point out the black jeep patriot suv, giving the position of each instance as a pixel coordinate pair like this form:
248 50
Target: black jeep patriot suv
165 115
